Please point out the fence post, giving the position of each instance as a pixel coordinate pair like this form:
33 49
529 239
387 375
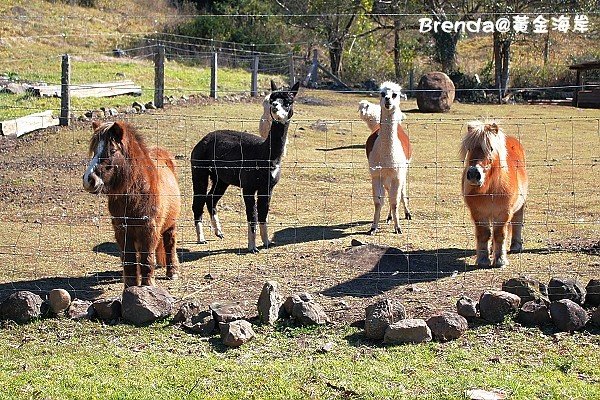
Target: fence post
411 81
254 81
291 69
65 95
159 76
315 74
213 76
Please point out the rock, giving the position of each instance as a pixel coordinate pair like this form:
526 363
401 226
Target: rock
186 311
237 333
566 288
527 289
21 307
380 315
309 313
226 312
269 303
592 289
80 309
138 106
495 305
447 326
107 309
467 307
407 331
13 88
567 315
59 300
288 305
435 92
356 242
327 347
534 313
146 304
596 317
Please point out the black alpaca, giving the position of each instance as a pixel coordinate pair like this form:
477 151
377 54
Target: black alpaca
244 160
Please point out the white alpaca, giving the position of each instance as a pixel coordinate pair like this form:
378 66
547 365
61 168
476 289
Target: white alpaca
389 155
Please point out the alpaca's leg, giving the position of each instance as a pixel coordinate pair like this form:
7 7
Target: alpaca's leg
262 208
377 187
200 186
169 243
404 199
499 242
483 234
516 242
214 195
394 194
250 203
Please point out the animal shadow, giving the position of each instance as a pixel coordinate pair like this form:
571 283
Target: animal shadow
313 233
386 268
184 255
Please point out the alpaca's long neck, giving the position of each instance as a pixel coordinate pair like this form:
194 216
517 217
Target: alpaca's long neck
389 126
274 143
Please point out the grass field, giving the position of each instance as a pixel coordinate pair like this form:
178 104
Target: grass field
53 234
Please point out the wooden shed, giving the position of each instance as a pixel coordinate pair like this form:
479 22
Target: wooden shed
590 97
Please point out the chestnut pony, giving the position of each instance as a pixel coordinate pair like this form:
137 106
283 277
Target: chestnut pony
494 185
143 199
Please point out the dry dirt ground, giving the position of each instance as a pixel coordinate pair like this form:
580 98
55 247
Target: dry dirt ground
53 234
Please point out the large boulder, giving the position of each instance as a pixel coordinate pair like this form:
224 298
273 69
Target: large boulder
435 92
592 289
380 315
195 318
534 313
107 309
146 304
407 331
21 307
309 313
596 317
567 315
236 333
226 312
527 289
495 305
270 303
288 305
566 288
81 309
447 326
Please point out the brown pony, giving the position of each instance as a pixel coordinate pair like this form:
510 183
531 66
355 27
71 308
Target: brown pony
143 199
494 185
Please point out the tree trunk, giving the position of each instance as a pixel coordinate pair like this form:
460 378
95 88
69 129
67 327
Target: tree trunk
505 65
335 56
397 65
498 65
445 44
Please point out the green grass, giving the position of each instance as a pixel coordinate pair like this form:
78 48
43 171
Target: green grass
83 360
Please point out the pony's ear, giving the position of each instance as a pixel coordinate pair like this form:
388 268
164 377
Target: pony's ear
95 125
294 89
274 87
117 130
493 127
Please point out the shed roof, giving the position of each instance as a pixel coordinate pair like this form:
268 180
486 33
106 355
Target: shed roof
586 65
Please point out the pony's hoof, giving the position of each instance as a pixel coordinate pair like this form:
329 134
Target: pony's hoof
172 276
483 262
388 219
372 231
407 216
219 235
268 244
501 262
253 250
516 247
202 241
398 231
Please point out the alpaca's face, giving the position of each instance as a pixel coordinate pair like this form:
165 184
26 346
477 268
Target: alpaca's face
282 104
390 98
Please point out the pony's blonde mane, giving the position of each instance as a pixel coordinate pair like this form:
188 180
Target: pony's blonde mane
488 136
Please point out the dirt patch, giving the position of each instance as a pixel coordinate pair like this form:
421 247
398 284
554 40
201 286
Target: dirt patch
576 245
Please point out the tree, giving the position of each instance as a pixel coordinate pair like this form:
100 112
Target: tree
331 20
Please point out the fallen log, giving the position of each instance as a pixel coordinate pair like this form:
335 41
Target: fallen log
107 89
29 123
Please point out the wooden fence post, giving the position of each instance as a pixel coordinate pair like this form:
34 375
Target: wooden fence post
213 76
291 69
254 80
65 97
159 76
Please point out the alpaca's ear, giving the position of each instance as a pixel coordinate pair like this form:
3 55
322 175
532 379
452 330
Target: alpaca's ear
294 89
95 125
274 87
116 131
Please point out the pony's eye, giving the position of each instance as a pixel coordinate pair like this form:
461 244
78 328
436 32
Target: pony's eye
382 94
394 95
